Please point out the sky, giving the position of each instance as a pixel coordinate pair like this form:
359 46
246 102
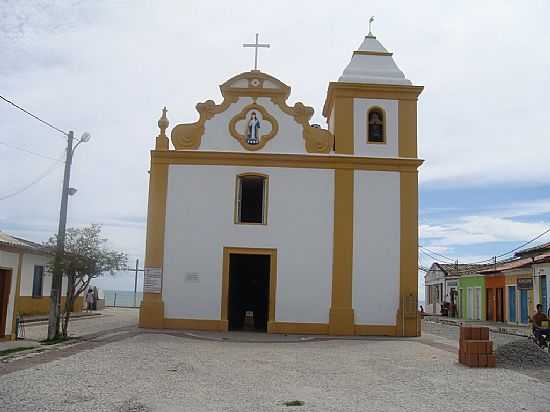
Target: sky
108 68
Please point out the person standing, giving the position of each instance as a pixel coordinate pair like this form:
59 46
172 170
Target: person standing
90 300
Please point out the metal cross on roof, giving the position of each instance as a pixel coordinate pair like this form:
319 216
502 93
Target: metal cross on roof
370 26
256 46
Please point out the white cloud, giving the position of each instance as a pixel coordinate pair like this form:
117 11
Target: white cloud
471 230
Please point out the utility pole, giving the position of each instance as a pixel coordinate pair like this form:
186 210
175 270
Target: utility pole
57 276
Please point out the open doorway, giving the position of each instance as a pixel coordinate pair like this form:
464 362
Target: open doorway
248 294
5 284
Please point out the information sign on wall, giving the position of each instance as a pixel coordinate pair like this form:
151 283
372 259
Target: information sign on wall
152 280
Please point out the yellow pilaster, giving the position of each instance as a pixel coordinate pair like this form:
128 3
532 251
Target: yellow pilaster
151 314
407 128
407 316
341 316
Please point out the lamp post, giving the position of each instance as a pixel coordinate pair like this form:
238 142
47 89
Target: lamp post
57 276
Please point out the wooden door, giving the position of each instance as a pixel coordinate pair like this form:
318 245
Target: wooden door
5 283
490 304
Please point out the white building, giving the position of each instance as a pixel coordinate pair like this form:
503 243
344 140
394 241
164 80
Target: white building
258 219
441 285
540 256
25 281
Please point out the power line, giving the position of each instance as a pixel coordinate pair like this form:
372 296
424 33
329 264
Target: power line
31 184
438 254
516 248
30 151
429 255
34 116
490 260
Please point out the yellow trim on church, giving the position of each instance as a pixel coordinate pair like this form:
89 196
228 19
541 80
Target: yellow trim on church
340 97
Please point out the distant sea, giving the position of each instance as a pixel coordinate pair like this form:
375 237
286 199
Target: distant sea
122 298
126 298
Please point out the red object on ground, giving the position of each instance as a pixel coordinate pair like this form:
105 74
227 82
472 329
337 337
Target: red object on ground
475 349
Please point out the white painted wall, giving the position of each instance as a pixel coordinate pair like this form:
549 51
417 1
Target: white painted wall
27 275
376 247
10 261
200 222
360 111
288 139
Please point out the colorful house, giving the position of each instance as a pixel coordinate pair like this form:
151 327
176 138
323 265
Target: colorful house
541 273
494 289
24 282
441 285
472 297
518 289
540 256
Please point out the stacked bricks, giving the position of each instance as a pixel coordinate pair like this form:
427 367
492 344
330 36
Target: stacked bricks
475 348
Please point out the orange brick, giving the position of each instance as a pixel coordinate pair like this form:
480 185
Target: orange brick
482 361
473 360
492 360
484 333
477 346
465 333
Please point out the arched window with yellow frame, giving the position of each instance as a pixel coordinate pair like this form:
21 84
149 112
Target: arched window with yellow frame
376 125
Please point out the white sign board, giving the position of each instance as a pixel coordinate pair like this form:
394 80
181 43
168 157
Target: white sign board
152 280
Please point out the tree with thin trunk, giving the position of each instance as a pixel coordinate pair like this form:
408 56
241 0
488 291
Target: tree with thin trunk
86 257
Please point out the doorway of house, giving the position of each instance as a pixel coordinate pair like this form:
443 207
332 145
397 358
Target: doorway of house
5 284
248 297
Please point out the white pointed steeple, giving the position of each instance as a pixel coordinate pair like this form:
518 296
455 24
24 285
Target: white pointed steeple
372 63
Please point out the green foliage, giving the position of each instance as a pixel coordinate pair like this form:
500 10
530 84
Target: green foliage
87 256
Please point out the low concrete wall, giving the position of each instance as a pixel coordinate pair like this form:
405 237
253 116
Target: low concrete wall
27 305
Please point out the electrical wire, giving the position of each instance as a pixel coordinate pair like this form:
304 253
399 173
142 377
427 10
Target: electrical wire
34 116
515 249
438 254
31 184
30 151
434 258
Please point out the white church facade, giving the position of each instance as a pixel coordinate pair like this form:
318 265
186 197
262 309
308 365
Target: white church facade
259 220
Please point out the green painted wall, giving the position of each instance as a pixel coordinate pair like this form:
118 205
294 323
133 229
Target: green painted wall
466 282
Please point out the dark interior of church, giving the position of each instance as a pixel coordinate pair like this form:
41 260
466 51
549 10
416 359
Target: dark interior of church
252 198
248 292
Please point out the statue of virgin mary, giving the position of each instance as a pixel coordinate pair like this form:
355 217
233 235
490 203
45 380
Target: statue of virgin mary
252 136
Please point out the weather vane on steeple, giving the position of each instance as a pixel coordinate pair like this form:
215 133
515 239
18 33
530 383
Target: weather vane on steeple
256 46
370 26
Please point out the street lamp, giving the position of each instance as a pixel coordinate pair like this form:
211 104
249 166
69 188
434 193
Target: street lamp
57 276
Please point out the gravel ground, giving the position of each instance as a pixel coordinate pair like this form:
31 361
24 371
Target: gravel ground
522 355
157 372
112 318
452 333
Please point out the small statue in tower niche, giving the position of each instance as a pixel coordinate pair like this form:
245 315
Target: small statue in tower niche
252 134
376 127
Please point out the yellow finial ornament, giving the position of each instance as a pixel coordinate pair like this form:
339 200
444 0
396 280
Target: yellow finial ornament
162 139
